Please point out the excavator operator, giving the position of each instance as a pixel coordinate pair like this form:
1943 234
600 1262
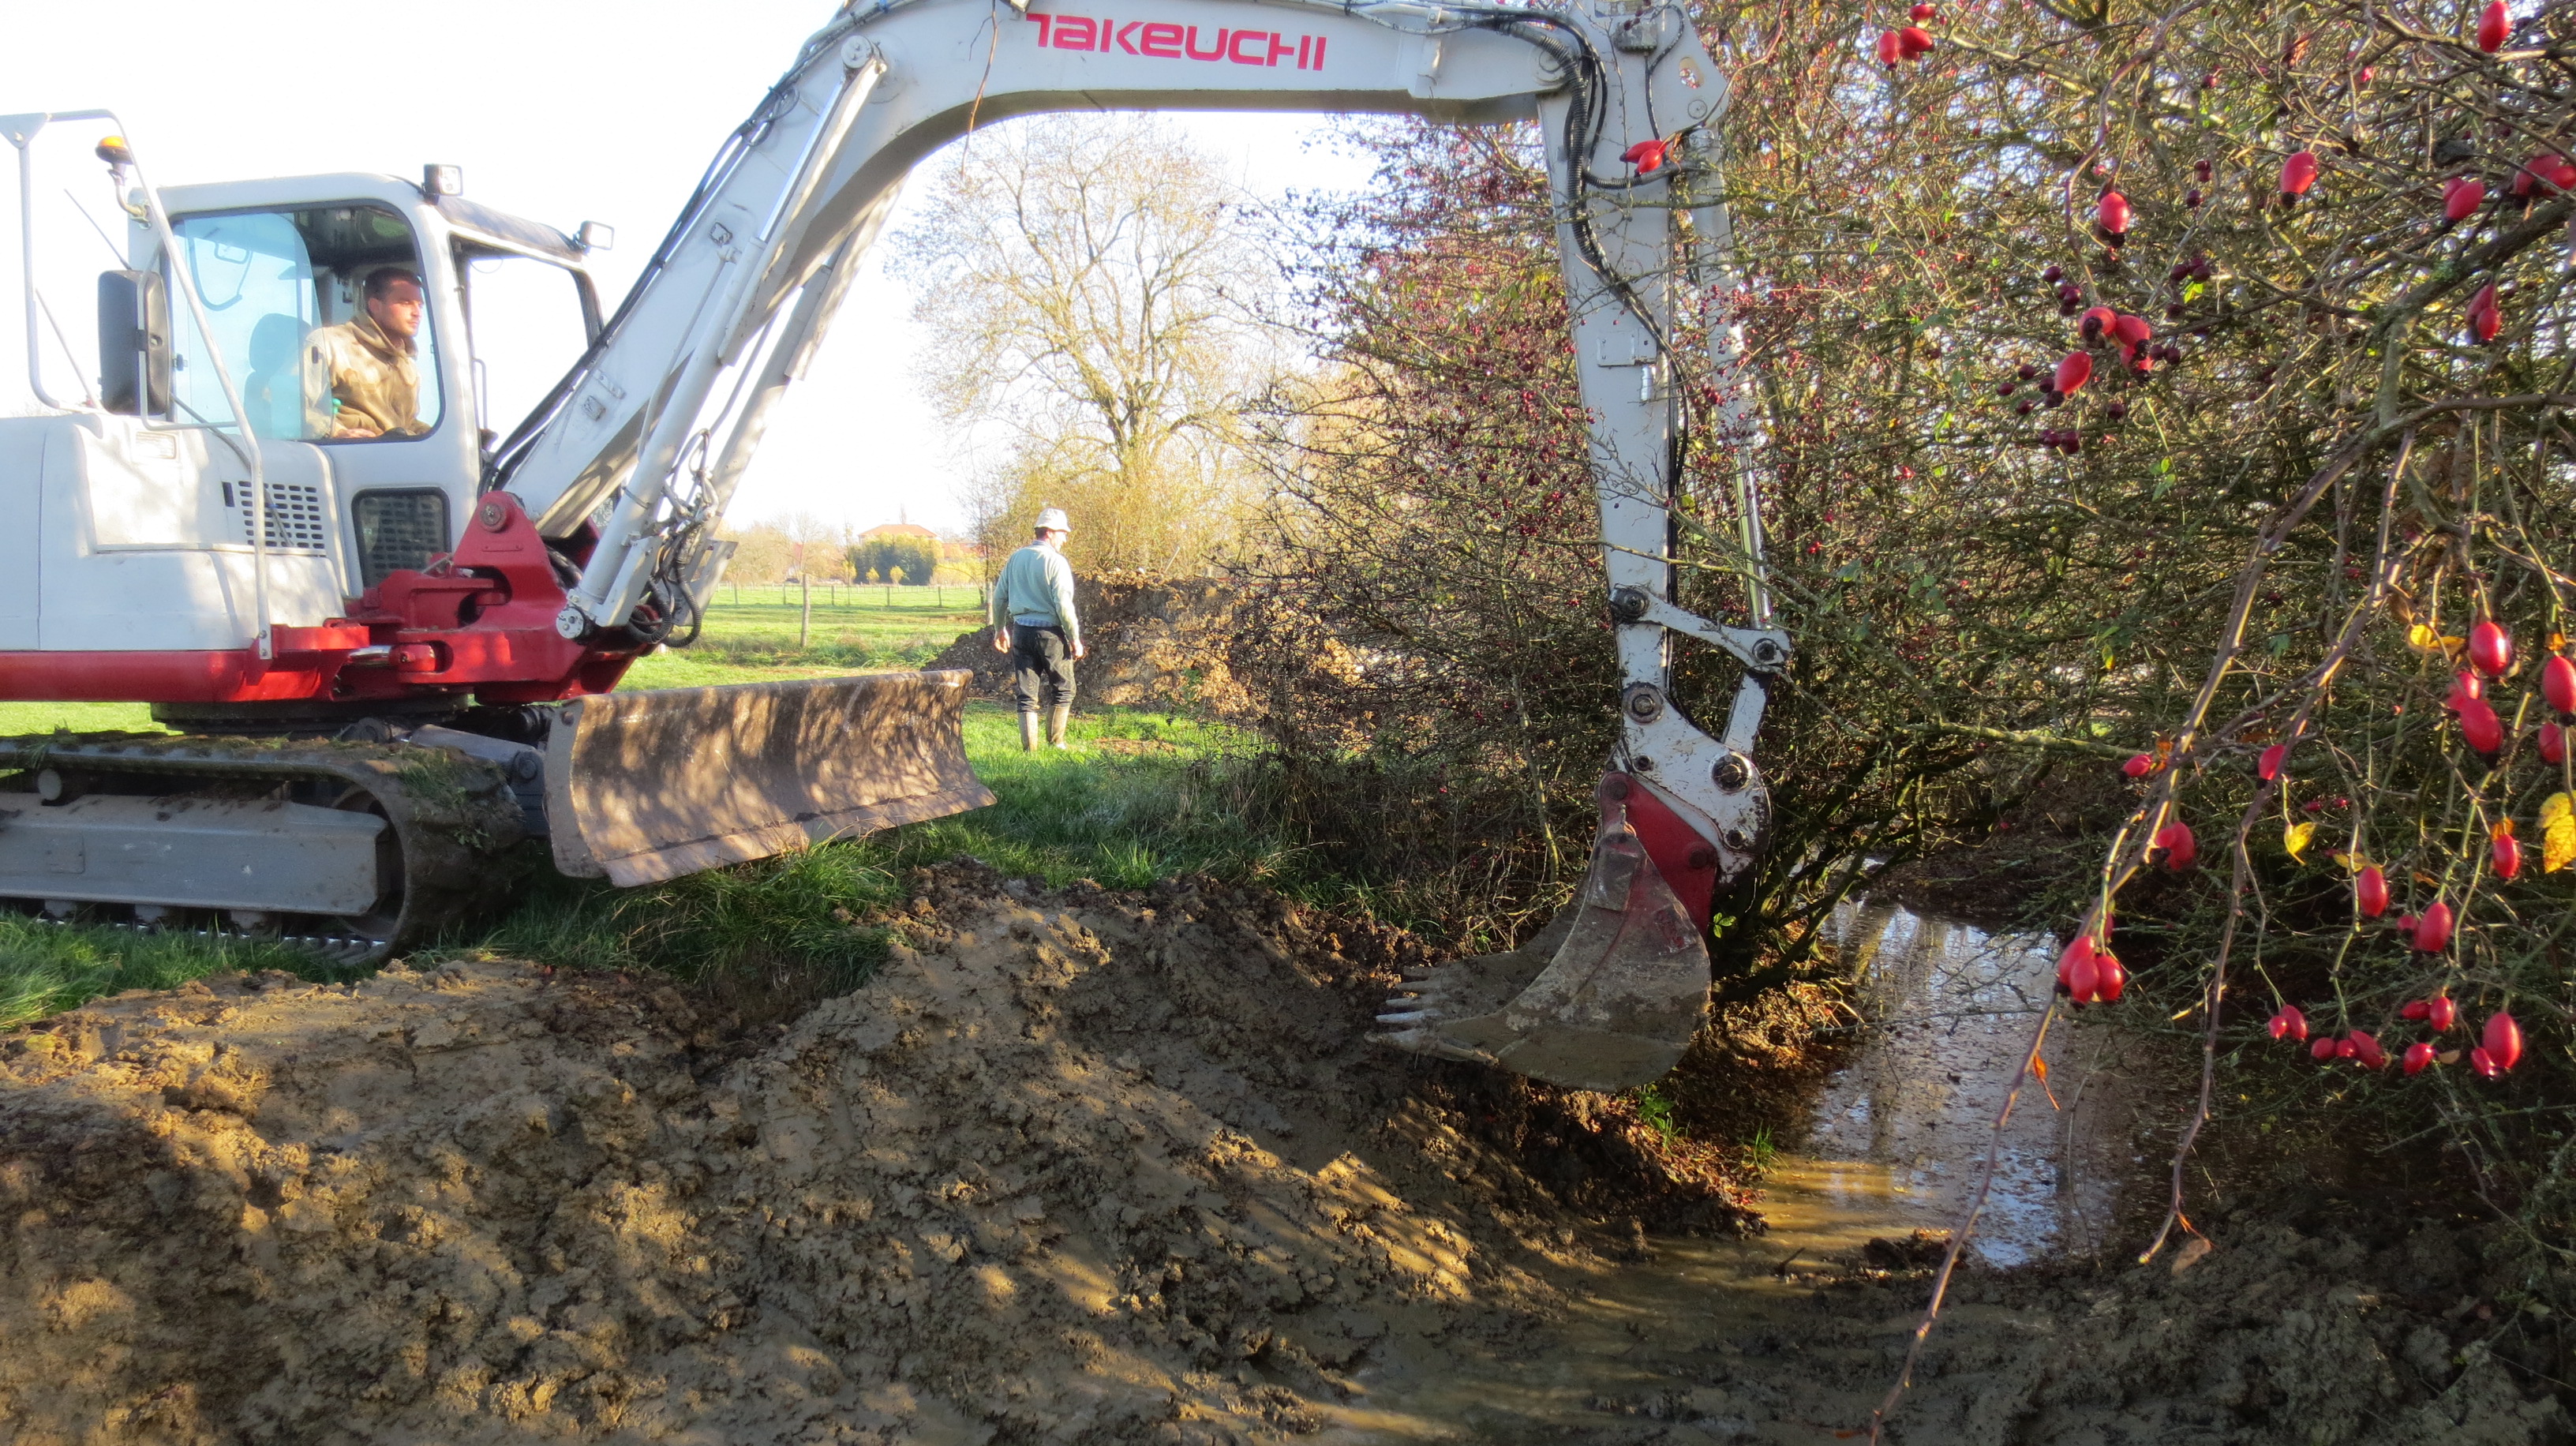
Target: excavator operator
360 379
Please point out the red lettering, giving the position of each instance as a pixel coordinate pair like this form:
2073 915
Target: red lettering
1042 25
1126 37
1303 41
1163 40
1279 46
1218 53
1073 32
1234 51
1319 50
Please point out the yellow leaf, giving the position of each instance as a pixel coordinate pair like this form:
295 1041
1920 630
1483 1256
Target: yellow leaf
2295 839
2557 832
2423 639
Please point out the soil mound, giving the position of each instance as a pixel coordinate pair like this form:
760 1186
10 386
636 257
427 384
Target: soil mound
1082 1168
1154 642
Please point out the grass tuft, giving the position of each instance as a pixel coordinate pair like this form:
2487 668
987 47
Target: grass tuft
48 968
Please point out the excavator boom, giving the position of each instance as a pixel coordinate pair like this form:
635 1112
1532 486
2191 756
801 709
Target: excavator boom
593 534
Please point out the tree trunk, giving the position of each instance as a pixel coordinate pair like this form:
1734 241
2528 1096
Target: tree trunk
805 612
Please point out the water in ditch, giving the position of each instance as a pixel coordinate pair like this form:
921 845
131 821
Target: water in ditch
1893 1143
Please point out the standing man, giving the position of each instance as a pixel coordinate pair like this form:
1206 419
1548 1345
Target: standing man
1034 621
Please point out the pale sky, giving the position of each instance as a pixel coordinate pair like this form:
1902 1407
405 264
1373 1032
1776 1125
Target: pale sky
558 111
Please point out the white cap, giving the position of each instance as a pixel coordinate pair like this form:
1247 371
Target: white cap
1053 520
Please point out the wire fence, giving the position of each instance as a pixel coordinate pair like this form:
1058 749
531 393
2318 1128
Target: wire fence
876 597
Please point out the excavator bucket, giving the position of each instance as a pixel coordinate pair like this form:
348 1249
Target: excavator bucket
647 786
1606 997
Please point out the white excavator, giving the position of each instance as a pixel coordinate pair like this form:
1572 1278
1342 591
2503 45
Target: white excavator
389 658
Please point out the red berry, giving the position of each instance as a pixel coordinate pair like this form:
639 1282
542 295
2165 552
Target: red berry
2074 371
2268 767
2502 1040
2289 1023
2109 979
2494 27
2078 971
2418 1055
2508 851
2462 197
2132 329
2433 931
2138 766
2464 688
1890 49
2491 648
2113 212
2370 892
2480 727
2558 683
1914 42
2486 1067
2326 1047
2416 1009
2441 1011
2298 173
1921 13
2346 1048
2486 317
2097 321
2553 743
2545 171
2366 1050
2180 848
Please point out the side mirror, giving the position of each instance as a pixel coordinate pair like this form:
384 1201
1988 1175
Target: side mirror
134 343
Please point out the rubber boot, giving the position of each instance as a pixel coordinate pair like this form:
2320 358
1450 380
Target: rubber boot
1028 733
1057 717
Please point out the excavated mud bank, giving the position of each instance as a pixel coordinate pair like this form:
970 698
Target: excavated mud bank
1076 1167
1080 1168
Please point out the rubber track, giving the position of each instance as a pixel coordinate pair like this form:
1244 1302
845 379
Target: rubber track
453 816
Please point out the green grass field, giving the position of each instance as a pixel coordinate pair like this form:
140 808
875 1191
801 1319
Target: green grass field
1141 796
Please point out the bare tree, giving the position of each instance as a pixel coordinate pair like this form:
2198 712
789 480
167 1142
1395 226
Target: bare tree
1086 286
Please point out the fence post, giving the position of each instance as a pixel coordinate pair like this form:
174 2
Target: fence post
805 616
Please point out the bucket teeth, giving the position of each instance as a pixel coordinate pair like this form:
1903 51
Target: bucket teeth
1605 998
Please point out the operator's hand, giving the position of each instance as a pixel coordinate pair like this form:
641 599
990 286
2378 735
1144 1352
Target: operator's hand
1079 649
1001 640
346 429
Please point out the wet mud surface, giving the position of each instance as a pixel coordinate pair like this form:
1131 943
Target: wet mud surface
1096 1168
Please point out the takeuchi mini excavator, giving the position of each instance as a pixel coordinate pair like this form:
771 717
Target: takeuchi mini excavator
390 653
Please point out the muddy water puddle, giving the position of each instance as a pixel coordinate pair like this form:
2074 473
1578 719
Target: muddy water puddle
1893 1143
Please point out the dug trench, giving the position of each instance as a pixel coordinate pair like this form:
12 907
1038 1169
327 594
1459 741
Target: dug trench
1075 1166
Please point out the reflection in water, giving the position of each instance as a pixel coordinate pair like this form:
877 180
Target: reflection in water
1900 1132
1893 1144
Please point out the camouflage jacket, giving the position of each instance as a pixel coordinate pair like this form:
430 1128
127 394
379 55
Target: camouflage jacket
356 377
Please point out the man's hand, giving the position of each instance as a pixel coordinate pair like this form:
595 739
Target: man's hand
1079 649
1001 640
349 429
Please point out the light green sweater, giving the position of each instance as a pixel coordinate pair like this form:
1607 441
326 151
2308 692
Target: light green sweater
1036 587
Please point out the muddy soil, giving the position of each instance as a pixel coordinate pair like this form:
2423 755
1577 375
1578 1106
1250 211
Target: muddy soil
1076 1167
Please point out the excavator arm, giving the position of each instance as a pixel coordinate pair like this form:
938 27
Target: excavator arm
637 452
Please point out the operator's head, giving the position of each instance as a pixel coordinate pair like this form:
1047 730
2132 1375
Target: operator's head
394 301
1052 526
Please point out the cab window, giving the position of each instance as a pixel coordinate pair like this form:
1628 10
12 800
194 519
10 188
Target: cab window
308 309
527 324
